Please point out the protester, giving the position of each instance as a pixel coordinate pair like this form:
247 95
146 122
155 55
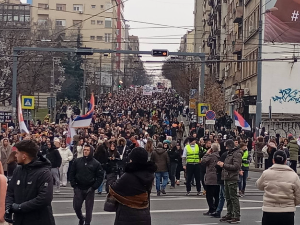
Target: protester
179 166
132 190
5 150
3 189
281 186
174 159
231 168
66 156
210 160
293 148
35 207
112 170
244 170
101 155
55 159
160 157
85 177
11 164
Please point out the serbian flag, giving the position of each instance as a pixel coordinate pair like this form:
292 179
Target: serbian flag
71 133
241 122
85 120
23 128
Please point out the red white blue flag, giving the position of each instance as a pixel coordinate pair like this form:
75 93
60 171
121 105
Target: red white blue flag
241 122
85 120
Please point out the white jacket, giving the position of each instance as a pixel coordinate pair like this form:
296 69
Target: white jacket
79 151
66 155
282 189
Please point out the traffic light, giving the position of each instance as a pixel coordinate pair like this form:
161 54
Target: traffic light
160 53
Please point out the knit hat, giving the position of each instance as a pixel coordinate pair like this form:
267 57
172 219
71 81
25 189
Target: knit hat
280 157
229 144
138 155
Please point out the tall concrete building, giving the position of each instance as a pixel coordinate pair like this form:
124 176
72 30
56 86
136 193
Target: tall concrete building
104 30
15 14
198 24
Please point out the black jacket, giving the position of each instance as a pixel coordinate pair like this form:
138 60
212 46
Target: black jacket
32 187
219 169
44 148
101 155
86 172
137 179
54 157
174 155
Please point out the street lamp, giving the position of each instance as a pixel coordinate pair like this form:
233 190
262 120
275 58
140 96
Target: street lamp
259 68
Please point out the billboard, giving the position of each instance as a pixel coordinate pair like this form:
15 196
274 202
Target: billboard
106 79
282 22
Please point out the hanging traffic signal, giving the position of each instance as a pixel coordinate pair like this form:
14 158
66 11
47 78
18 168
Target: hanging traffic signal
160 53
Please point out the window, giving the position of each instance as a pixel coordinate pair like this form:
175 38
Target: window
107 37
109 7
78 8
102 6
93 6
99 38
108 23
61 7
77 23
43 6
99 22
92 37
93 22
60 23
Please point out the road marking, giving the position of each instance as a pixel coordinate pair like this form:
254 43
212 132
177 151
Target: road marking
201 224
155 211
161 199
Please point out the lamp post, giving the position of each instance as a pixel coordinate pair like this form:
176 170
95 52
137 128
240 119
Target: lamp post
259 67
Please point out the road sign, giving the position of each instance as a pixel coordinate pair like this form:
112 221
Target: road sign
210 115
192 103
27 102
210 122
51 102
203 108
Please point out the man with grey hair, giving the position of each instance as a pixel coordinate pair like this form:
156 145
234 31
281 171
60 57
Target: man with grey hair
231 168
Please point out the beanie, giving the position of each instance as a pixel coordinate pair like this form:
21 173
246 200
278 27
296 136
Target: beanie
138 155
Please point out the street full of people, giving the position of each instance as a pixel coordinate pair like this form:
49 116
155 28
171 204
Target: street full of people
137 144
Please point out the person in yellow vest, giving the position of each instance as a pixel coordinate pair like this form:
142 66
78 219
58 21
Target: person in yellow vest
191 163
244 170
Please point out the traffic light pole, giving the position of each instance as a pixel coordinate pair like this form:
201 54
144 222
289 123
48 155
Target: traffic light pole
82 51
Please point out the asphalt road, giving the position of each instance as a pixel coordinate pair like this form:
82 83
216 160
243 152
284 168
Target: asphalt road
172 209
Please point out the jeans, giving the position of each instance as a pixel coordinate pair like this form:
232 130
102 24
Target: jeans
192 170
243 180
79 197
212 197
63 171
172 173
294 165
221 199
102 184
55 175
164 176
233 204
286 218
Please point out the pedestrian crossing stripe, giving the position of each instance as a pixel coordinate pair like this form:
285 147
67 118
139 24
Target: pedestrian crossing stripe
27 102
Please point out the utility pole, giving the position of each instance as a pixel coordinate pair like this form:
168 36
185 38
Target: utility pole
83 88
100 82
259 72
52 90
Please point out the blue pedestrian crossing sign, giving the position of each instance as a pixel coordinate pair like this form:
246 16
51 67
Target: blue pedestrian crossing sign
27 102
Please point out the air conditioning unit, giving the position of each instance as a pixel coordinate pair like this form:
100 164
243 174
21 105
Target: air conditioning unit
246 92
47 7
80 11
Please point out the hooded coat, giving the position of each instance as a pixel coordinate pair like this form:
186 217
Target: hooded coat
4 153
232 165
161 158
210 161
86 172
294 150
32 187
132 192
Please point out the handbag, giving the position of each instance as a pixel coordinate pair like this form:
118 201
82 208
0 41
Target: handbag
110 204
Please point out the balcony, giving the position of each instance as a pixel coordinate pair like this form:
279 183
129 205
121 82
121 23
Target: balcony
237 46
238 14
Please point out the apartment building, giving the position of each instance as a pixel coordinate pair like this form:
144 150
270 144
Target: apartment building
198 18
15 14
104 31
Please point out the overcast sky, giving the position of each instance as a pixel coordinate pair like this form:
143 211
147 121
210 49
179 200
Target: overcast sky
177 13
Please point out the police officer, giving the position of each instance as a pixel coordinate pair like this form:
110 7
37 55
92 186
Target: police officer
191 163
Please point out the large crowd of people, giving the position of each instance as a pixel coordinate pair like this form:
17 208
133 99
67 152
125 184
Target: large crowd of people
133 140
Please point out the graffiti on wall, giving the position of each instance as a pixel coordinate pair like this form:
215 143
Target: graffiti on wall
287 95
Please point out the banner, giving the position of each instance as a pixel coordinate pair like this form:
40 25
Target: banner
147 90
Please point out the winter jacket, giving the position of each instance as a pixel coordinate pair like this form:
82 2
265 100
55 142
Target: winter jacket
294 149
66 155
4 153
54 157
179 133
32 187
101 155
112 164
210 161
281 186
220 169
44 148
161 158
232 165
174 155
86 172
132 192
